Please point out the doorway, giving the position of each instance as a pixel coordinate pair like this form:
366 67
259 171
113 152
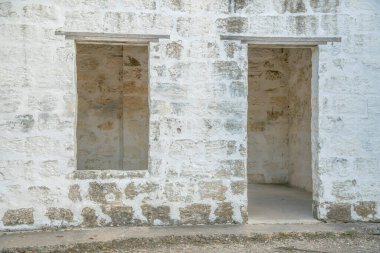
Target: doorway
279 162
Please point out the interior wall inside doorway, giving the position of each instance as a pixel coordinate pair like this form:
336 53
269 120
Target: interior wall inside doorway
279 116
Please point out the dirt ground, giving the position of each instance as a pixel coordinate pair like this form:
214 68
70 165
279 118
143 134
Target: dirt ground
321 243
339 237
339 244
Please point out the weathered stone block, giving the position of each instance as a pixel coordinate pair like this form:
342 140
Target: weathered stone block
214 190
292 6
244 214
238 89
174 49
303 25
74 193
61 214
130 191
221 147
365 209
231 48
6 10
90 219
18 217
178 192
148 187
232 24
159 70
25 122
104 192
243 150
141 4
241 4
227 108
156 215
217 89
339 212
195 214
228 69
120 215
234 126
330 6
238 187
231 168
223 213
166 108
178 5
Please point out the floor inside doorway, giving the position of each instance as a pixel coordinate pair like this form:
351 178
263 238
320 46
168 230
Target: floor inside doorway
269 203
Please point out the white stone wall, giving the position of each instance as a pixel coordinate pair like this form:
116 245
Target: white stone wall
198 108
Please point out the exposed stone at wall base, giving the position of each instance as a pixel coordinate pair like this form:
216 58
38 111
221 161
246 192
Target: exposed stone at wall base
18 217
212 190
104 192
90 219
244 214
339 212
365 209
130 191
120 215
60 214
159 215
238 187
195 214
224 213
346 212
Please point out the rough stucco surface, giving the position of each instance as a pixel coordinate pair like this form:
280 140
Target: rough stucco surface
198 108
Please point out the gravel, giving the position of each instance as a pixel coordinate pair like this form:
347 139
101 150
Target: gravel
286 242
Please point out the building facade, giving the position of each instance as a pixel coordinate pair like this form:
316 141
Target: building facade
137 112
